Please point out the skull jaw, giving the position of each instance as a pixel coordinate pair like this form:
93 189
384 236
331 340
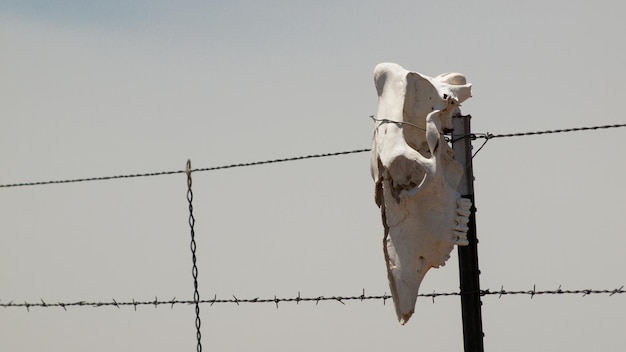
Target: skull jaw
420 235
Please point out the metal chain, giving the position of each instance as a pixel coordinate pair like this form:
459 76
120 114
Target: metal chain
194 270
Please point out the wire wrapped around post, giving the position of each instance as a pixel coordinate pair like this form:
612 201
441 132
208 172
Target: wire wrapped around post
194 271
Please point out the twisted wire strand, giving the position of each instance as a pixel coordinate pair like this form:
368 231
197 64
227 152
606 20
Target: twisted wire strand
535 133
162 173
486 136
283 160
88 179
317 299
194 270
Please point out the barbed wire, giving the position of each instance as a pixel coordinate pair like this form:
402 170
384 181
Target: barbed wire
535 133
162 173
317 299
98 178
487 136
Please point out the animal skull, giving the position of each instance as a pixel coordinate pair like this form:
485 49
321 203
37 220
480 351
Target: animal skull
416 176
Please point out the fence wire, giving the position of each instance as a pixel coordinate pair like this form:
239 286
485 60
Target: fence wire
194 270
487 136
316 299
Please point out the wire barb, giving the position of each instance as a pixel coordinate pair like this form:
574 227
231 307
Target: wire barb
173 301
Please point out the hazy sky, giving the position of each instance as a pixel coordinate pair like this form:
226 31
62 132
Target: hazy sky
118 87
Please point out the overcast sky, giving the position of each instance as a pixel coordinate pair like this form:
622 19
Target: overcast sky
106 88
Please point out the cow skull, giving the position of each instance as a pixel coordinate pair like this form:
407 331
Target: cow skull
416 176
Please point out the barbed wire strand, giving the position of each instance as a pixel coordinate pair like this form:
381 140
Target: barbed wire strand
486 136
535 133
194 270
317 299
162 173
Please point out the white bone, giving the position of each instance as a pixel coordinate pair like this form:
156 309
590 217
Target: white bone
416 177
